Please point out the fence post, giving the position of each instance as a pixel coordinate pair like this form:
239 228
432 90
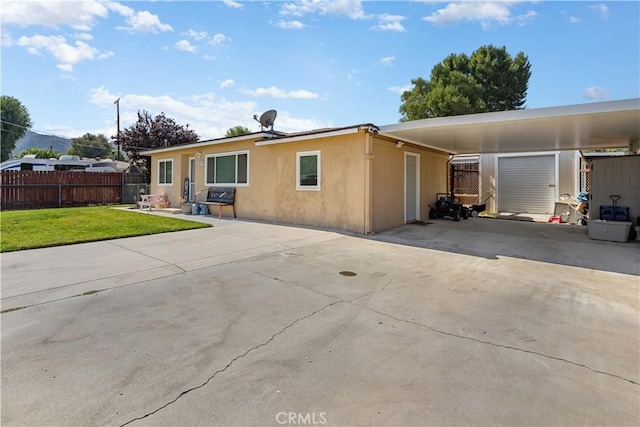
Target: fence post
59 195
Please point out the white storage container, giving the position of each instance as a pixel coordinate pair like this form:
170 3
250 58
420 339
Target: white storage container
613 231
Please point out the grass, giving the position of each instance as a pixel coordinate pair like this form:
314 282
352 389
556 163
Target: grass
42 228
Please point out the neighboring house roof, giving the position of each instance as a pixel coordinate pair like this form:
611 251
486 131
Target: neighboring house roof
570 127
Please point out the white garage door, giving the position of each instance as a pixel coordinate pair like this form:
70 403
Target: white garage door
526 184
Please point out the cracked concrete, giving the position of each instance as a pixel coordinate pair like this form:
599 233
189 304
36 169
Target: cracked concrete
236 324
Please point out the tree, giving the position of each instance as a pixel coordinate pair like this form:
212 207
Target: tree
41 153
149 133
15 122
489 80
237 131
91 146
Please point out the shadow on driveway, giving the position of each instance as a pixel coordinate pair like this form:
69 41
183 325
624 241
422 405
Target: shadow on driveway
490 238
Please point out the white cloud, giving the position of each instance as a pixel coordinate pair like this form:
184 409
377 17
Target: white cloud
209 115
54 13
67 55
522 19
388 22
145 22
219 39
227 83
233 4
209 57
387 61
596 93
574 20
275 92
291 25
350 8
119 8
196 35
400 89
184 45
83 36
602 9
485 12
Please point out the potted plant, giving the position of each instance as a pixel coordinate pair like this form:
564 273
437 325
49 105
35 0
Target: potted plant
186 206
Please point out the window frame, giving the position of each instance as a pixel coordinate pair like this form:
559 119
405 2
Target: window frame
226 154
165 184
318 185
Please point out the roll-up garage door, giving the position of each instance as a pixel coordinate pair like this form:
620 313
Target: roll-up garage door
526 184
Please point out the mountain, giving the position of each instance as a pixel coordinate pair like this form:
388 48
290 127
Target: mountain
38 140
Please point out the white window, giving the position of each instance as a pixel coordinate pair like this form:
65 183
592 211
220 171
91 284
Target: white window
165 172
308 170
227 168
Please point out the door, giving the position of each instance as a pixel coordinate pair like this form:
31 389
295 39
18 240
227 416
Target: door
526 184
411 187
192 179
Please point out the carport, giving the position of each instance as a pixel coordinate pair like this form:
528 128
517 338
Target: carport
572 127
532 147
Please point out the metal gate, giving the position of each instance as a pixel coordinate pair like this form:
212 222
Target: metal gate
526 184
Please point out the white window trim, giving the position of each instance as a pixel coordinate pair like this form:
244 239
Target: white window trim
228 153
169 184
317 187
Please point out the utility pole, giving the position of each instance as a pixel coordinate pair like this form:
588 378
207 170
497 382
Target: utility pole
117 102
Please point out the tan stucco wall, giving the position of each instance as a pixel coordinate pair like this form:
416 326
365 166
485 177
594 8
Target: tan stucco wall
567 164
272 195
388 181
349 199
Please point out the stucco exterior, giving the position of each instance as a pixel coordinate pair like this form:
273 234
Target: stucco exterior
362 181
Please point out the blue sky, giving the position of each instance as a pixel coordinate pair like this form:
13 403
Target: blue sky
214 64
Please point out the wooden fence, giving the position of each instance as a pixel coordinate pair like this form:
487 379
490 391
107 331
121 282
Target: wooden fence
50 189
466 182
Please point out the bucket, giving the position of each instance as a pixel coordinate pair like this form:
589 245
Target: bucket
638 233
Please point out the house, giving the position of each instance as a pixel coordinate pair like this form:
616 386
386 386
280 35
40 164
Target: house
368 178
350 178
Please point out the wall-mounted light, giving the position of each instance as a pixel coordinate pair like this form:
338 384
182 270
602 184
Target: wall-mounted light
399 144
198 155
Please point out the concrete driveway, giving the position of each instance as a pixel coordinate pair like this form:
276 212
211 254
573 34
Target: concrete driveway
482 322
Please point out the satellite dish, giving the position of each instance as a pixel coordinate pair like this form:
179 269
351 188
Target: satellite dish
267 119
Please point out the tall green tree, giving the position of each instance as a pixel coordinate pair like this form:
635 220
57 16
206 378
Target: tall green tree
237 131
91 146
488 80
41 153
15 122
154 132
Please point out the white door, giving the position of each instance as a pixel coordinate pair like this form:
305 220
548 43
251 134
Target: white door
526 184
192 179
411 187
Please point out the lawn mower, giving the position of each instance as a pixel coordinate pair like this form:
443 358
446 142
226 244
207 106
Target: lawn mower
480 205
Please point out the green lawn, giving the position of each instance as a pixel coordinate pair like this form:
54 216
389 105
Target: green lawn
41 228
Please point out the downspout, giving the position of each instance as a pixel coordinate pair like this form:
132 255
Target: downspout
449 176
368 181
